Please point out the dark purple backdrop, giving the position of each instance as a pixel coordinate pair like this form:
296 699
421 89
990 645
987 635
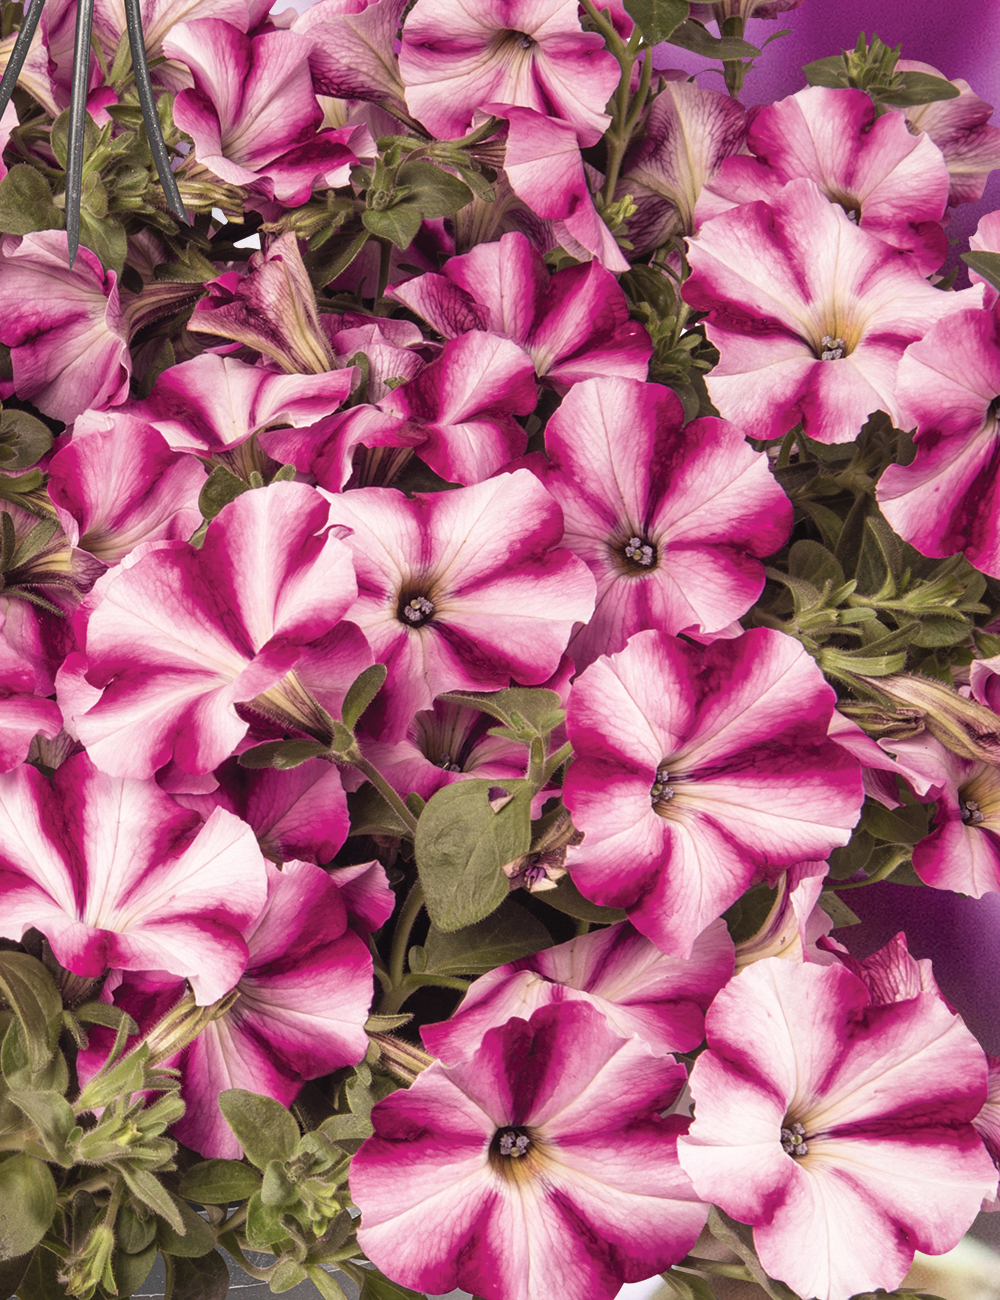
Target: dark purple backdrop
959 37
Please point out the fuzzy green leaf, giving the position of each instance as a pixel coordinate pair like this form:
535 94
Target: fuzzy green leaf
263 1127
27 1204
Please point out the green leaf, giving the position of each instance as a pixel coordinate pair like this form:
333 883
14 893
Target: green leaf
12 1273
40 1280
361 692
917 88
814 563
130 1269
23 438
687 1286
399 224
904 825
739 1238
837 910
509 934
437 193
378 1287
105 237
26 203
197 1239
277 1191
221 487
656 19
695 36
217 1182
52 1115
27 1204
386 1024
134 1231
568 899
349 1129
32 994
852 857
463 843
148 1189
371 815
830 72
206 1278
281 754
264 1228
541 709
59 136
985 264
288 1273
263 1127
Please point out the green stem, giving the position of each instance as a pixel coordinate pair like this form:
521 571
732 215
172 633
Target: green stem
555 762
229 1242
896 860
408 985
401 935
384 268
385 790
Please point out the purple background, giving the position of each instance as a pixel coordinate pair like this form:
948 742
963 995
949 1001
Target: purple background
959 37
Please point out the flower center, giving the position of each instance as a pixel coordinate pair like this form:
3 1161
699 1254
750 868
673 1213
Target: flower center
661 792
635 553
833 348
971 814
524 41
417 611
514 1143
445 762
793 1141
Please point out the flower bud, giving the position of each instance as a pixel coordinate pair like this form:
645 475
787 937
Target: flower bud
968 729
90 1267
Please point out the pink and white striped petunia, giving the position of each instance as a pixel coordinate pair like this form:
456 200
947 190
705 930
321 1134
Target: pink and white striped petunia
670 520
890 182
810 314
460 590
821 1109
65 328
457 58
116 874
960 129
303 1002
540 1165
253 113
699 771
946 499
687 133
173 642
641 990
117 484
573 325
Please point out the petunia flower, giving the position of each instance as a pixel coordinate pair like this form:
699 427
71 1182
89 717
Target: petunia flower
352 55
270 308
446 743
640 990
986 239
698 772
810 314
987 1124
573 325
545 170
117 487
890 182
540 1165
211 405
65 328
457 58
253 113
687 133
669 520
945 500
299 814
960 129
795 923
115 874
462 406
173 642
303 1001
839 1127
461 589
